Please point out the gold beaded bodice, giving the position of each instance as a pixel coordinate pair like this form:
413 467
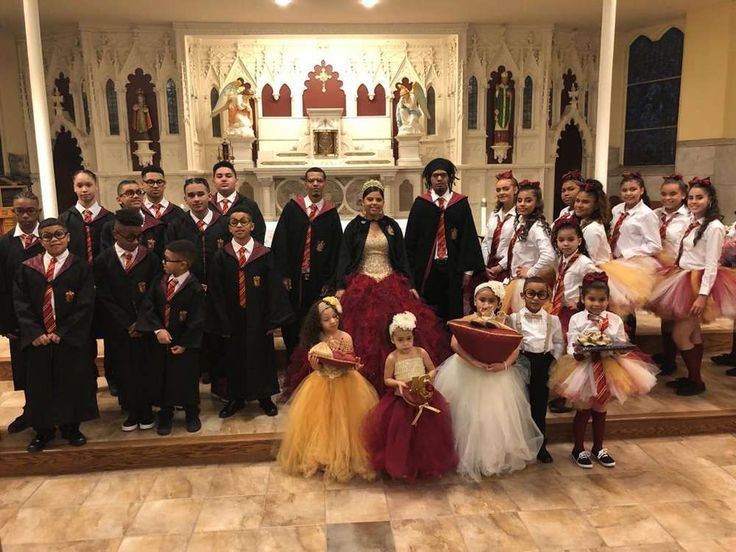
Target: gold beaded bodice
375 262
408 369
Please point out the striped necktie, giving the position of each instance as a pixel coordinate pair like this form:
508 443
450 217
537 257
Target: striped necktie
242 259
49 319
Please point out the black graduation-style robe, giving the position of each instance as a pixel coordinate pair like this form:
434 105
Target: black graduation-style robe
259 229
74 222
249 363
60 388
288 251
463 247
353 244
168 215
174 379
214 237
12 255
152 237
120 295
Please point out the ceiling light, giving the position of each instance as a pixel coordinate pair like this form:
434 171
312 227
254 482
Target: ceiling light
369 3
282 3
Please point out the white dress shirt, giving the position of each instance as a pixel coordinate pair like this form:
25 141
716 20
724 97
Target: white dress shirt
121 252
179 280
207 218
60 260
579 322
574 279
308 204
678 221
446 196
731 232
536 252
19 233
95 209
164 203
639 233
705 254
565 212
507 231
237 247
533 328
596 241
232 198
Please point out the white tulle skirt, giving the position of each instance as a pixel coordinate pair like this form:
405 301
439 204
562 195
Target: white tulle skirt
491 419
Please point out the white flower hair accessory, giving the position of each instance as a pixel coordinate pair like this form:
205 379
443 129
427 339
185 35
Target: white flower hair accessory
496 287
330 301
402 321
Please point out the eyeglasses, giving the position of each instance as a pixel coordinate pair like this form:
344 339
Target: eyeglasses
48 236
166 260
131 193
240 222
129 237
20 211
155 182
531 294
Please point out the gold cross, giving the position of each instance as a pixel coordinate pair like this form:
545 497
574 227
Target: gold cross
324 77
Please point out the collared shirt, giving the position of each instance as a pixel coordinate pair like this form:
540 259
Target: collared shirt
232 198
675 228
95 208
164 203
179 279
565 212
580 322
507 231
446 196
308 204
120 252
731 232
207 218
574 279
596 241
60 260
533 328
705 254
639 233
248 248
18 232
536 252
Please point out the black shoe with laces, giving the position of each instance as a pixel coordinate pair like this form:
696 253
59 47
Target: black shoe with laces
582 459
603 458
130 424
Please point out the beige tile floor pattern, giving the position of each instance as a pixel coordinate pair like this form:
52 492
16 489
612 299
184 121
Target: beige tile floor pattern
664 495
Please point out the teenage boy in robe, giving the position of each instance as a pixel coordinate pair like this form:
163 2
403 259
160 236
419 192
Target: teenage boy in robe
250 301
155 203
54 297
226 198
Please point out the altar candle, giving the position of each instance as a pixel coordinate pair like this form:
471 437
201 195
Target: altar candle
483 208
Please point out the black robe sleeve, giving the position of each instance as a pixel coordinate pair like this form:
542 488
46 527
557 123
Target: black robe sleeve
106 238
75 328
218 322
106 298
278 306
283 237
194 326
149 319
31 326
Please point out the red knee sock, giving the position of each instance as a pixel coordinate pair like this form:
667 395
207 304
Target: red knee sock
599 430
579 422
693 361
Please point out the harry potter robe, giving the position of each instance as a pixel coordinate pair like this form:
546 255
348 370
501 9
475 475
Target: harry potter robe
74 222
168 215
60 388
12 255
288 251
174 379
153 235
259 230
120 294
463 250
249 363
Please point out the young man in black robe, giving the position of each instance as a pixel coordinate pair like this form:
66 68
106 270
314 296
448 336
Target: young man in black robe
442 241
226 183
153 231
123 275
249 301
155 204
173 316
306 245
18 245
54 298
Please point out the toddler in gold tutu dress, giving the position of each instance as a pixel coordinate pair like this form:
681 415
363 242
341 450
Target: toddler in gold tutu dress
328 409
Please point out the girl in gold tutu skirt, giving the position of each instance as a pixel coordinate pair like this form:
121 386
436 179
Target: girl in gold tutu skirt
328 409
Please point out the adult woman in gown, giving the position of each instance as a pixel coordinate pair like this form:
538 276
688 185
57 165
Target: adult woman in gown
373 283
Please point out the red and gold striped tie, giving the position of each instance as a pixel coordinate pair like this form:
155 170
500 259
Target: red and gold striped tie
688 231
664 223
512 243
559 292
170 290
307 255
241 276
496 240
602 393
441 238
49 320
128 257
28 240
616 234
201 225
156 210
224 205
87 217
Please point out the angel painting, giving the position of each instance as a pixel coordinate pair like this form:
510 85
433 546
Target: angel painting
235 97
410 109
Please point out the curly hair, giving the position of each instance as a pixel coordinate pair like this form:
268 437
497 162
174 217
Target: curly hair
636 177
564 224
713 212
311 330
535 216
602 210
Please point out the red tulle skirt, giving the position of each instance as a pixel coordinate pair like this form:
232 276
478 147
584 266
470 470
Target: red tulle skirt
410 452
675 294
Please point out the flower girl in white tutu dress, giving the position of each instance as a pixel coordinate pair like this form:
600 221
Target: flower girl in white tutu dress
491 419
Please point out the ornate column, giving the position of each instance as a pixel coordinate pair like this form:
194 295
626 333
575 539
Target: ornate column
605 77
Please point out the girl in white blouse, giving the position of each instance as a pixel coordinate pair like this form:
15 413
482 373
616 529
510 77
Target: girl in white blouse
500 225
530 251
591 209
698 289
569 189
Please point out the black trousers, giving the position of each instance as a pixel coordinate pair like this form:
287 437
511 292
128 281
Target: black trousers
442 293
538 388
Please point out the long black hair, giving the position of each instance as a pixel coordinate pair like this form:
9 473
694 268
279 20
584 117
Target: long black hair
713 212
439 163
311 330
633 176
602 211
537 214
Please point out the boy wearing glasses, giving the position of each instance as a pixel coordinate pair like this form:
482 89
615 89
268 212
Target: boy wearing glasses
153 231
542 343
155 204
249 301
173 313
18 245
123 275
54 298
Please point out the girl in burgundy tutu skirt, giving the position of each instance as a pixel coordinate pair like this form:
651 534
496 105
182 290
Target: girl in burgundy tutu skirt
409 433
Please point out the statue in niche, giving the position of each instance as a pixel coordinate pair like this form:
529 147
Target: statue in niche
142 122
504 103
235 97
411 107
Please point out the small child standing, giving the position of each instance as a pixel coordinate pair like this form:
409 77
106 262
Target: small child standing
328 409
590 379
542 343
409 433
174 311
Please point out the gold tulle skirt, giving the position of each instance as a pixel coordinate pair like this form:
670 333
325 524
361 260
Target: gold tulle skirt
631 282
325 427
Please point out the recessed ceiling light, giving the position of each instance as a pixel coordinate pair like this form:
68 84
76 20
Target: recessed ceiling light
282 3
369 3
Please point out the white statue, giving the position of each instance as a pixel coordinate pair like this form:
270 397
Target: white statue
235 97
410 109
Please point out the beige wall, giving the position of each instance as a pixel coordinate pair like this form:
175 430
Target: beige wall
12 127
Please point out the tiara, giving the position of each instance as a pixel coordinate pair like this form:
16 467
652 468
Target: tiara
372 184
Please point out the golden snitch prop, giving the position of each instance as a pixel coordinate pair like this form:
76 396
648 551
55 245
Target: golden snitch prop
418 393
593 340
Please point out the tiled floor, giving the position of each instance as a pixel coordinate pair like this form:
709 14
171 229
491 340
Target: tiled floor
663 495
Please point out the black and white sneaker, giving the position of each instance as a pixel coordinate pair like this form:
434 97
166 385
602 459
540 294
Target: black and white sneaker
130 424
147 424
582 459
604 459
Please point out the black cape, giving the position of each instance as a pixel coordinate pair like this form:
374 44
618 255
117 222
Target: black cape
259 230
169 215
77 235
152 237
249 354
60 387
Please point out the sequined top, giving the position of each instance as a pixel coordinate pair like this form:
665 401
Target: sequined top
375 262
336 345
408 369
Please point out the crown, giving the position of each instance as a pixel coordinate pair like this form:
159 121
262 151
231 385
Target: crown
372 184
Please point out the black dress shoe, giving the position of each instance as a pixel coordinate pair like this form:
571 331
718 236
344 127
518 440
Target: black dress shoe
231 408
724 360
690 389
193 423
164 423
666 368
544 456
18 425
677 383
39 442
559 406
113 388
730 372
268 407
76 438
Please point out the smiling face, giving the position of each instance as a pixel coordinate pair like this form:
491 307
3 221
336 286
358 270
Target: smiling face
526 202
197 198
595 301
54 239
329 320
506 193
131 196
698 201
486 302
672 196
225 181
403 340
585 204
314 184
568 241
241 227
86 189
26 213
631 193
373 204
569 192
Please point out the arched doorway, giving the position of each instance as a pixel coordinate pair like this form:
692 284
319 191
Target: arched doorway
67 161
569 157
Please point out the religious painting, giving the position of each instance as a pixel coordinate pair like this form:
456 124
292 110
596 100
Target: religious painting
142 110
500 116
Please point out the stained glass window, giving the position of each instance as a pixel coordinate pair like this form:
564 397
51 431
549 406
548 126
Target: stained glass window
526 121
431 119
171 107
473 103
111 98
216 121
